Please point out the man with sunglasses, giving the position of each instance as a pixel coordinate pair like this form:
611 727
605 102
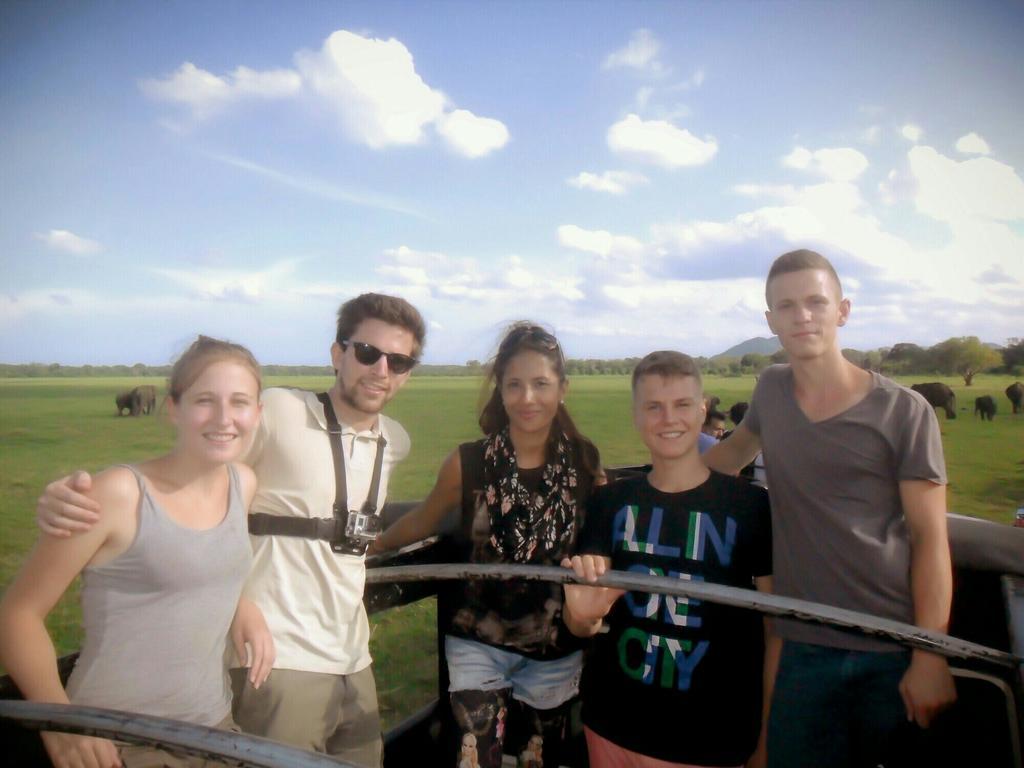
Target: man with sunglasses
321 694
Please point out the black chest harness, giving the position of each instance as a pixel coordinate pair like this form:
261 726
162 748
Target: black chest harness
350 532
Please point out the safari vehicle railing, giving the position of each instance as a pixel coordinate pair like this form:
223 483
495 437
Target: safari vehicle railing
985 647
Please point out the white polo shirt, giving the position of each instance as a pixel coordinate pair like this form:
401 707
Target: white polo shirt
312 598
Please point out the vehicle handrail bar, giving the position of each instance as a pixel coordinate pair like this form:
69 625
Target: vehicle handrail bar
172 735
774 605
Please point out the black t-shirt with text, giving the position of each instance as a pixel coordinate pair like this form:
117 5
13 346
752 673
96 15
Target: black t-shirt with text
675 678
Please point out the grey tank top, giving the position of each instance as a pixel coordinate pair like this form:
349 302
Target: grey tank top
156 617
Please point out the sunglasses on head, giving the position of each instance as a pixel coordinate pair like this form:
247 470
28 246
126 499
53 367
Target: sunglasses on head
367 354
534 333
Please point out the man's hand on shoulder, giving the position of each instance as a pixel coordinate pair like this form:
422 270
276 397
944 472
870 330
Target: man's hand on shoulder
732 454
64 508
927 687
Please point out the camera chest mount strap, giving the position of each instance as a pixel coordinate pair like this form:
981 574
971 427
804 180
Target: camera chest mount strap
328 529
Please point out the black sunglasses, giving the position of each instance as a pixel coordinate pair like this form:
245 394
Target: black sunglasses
367 354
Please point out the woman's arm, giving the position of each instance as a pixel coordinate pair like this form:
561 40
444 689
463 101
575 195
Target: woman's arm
424 519
249 631
25 646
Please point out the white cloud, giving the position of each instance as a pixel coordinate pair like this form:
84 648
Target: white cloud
381 100
370 84
429 269
659 142
374 88
800 158
507 282
696 80
912 132
69 242
979 188
839 164
612 182
972 144
599 242
205 93
231 285
472 136
898 186
871 134
968 284
641 52
322 189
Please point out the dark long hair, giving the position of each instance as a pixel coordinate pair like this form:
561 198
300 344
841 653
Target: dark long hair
524 336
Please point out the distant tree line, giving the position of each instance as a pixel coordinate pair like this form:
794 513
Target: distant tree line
964 356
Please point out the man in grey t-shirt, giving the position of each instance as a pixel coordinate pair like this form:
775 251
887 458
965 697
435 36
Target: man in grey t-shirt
857 481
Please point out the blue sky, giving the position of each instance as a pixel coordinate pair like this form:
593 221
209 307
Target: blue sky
623 172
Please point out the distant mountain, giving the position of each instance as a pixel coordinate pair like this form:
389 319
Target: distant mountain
757 346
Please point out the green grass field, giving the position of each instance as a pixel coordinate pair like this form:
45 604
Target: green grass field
50 426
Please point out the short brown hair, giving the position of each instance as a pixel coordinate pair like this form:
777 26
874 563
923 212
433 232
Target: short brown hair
667 364
202 353
389 309
796 261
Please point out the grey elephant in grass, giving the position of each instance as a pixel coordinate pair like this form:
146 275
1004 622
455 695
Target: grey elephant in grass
1016 394
986 406
938 395
138 400
147 398
124 401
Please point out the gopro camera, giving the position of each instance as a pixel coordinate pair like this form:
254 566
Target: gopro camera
361 528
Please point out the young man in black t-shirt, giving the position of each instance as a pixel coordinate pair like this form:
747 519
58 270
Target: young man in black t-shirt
673 680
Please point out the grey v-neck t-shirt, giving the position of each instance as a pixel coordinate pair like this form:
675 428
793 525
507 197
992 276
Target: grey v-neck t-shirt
838 531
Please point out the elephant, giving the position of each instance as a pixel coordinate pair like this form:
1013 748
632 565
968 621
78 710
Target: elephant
986 406
147 398
139 400
125 400
1016 394
938 395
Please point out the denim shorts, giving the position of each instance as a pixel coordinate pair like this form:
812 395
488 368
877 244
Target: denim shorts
475 666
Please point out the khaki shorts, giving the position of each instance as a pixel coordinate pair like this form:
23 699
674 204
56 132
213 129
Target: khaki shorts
319 712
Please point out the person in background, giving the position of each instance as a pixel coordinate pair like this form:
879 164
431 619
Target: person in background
714 425
521 490
162 573
858 485
674 681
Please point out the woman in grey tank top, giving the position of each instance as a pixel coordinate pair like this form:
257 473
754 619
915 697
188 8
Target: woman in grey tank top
162 569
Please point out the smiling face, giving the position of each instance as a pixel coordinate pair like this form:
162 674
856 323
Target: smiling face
668 412
365 389
217 414
531 391
805 310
